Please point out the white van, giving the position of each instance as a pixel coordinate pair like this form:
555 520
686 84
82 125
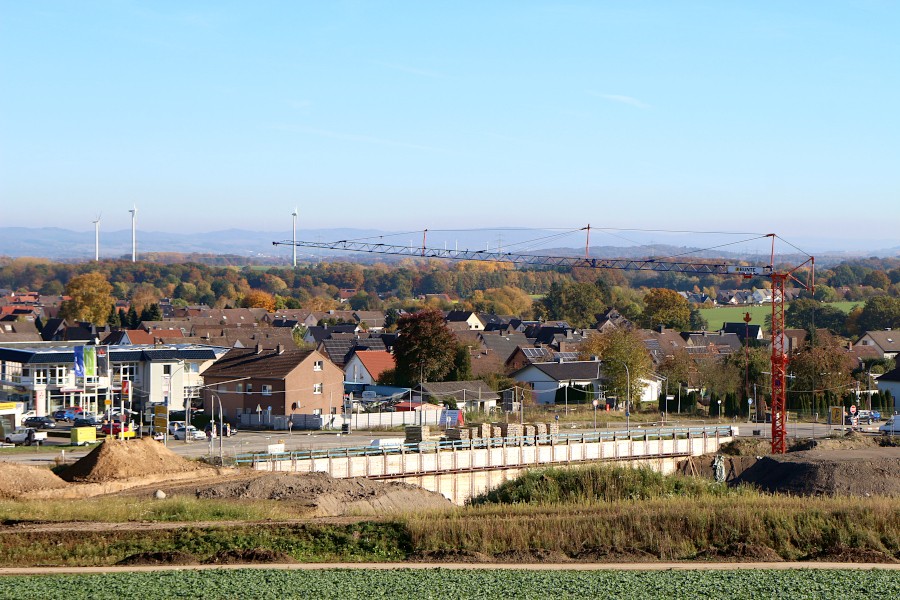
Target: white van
891 426
395 443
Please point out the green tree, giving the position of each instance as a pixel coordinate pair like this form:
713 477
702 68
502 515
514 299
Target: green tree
462 364
625 359
425 349
576 303
810 314
90 299
666 307
880 312
151 313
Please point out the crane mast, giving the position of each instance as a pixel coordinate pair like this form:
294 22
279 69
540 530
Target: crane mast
779 357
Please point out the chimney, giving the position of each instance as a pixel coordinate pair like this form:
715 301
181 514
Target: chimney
259 348
279 349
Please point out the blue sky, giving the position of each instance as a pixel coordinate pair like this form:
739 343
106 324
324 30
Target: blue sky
752 116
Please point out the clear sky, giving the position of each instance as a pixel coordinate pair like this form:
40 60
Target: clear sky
749 116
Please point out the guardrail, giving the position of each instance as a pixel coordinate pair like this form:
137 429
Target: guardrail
636 434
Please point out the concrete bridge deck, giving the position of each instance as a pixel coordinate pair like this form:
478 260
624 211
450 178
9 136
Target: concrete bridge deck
462 469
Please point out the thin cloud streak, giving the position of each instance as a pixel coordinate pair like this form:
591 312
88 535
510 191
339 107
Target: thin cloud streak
354 137
621 99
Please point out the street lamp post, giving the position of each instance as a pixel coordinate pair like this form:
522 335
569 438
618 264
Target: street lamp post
221 424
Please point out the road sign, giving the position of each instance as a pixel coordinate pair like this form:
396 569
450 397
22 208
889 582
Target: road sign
750 401
853 409
596 403
107 402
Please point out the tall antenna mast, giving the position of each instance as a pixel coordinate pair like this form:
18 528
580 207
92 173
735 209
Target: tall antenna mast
294 219
97 238
133 212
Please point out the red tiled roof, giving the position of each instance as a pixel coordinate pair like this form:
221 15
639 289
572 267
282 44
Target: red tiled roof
376 361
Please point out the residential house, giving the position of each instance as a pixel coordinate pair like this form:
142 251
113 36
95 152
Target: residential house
890 382
886 341
280 381
545 379
366 366
743 331
469 318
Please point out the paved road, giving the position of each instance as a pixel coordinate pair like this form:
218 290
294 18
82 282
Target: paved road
256 441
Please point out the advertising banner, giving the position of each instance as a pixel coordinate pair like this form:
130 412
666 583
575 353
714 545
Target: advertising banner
102 359
78 364
90 360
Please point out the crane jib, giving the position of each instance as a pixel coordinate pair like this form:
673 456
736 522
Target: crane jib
659 265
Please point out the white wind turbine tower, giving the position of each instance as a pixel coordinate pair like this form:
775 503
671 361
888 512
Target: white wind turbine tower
133 212
97 238
294 215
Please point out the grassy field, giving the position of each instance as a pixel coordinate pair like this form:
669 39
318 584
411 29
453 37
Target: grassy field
735 314
250 584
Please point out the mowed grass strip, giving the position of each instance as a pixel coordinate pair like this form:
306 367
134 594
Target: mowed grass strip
252 584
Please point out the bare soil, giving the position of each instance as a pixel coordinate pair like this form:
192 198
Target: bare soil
123 459
252 556
327 496
159 558
16 480
859 472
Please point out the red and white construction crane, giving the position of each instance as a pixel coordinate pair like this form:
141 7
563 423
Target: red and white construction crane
779 278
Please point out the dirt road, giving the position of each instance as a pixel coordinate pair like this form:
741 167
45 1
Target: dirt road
662 566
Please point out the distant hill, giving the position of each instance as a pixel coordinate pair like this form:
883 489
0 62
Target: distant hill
249 247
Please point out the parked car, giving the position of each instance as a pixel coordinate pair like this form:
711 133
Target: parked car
175 426
39 422
891 426
87 421
394 444
59 415
26 436
190 432
868 416
114 428
72 412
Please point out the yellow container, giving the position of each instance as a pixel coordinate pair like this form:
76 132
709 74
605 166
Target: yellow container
83 435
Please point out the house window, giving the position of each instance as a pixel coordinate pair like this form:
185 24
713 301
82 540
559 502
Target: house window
167 369
239 388
266 390
249 388
40 375
317 366
317 412
317 388
192 367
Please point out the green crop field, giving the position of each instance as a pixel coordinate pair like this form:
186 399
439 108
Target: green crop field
249 584
735 314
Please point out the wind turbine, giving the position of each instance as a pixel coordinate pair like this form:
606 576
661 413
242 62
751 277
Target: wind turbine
97 238
133 212
294 215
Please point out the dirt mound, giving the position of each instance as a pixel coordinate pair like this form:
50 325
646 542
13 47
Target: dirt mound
740 552
746 447
254 555
159 558
20 479
122 459
816 472
851 441
854 555
329 496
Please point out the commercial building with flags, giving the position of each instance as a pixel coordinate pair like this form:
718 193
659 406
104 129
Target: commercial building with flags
57 375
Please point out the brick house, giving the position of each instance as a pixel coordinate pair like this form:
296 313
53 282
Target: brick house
279 378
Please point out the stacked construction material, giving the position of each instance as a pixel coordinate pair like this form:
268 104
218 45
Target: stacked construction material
458 433
529 430
511 429
496 432
417 433
481 431
553 428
